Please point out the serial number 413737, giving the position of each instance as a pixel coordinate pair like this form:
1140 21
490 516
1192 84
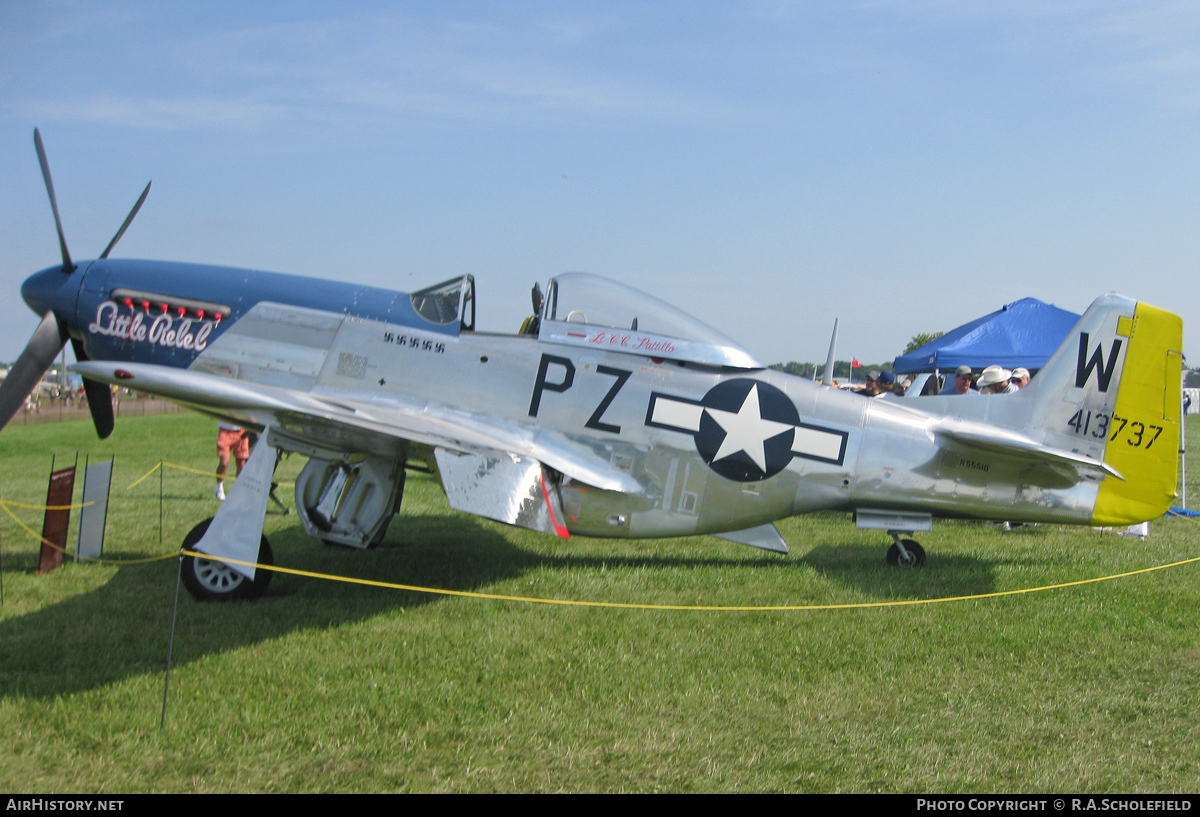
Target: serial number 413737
1098 425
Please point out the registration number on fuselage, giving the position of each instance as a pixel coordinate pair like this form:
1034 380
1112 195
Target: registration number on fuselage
1098 425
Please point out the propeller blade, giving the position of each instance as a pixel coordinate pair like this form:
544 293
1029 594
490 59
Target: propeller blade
121 232
23 377
99 395
68 267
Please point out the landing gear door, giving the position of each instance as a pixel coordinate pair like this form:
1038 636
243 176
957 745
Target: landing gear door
508 488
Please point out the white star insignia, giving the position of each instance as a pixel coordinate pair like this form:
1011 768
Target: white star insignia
747 430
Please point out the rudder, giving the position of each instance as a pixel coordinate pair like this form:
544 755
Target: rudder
1146 423
1111 392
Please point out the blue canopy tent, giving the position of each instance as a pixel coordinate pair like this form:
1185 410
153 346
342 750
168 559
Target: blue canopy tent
1023 333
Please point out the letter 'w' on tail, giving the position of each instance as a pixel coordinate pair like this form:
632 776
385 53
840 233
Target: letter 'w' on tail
1111 393
1083 371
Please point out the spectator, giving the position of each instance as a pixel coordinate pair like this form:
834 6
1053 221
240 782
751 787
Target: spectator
230 439
887 383
962 381
871 387
996 380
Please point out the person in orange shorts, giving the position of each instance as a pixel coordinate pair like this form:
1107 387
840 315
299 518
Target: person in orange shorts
235 440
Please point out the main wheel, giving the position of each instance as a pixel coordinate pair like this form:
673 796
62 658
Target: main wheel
916 555
210 580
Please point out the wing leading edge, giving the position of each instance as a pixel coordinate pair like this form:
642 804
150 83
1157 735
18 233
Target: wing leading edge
317 418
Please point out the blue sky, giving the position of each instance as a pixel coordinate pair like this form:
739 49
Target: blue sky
766 166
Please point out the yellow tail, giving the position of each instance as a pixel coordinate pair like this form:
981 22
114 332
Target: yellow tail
1143 437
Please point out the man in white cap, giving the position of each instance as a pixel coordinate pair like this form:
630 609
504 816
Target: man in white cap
996 380
1020 377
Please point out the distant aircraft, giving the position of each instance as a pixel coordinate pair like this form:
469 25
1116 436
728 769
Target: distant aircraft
611 413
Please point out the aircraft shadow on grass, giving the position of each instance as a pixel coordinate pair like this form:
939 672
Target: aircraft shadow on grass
857 566
121 630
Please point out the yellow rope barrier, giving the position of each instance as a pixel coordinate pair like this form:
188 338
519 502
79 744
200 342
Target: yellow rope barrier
212 474
144 476
4 504
684 607
47 507
197 471
215 475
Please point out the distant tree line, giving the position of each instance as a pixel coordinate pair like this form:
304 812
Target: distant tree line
841 369
919 340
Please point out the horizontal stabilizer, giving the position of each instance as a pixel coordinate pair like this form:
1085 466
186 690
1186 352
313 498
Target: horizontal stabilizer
1017 446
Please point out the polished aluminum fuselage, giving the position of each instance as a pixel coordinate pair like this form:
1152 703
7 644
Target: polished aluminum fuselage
647 445
891 456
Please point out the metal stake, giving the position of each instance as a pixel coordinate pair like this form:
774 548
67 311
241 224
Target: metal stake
171 644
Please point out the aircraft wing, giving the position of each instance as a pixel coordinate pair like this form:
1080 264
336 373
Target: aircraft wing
326 419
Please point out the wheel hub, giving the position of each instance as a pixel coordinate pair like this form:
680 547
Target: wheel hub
217 576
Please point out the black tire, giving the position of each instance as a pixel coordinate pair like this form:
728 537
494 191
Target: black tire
209 580
915 551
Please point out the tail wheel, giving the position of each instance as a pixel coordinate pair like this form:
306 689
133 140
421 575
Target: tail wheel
211 580
914 558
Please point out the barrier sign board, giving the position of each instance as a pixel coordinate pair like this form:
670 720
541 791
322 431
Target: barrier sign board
57 519
97 478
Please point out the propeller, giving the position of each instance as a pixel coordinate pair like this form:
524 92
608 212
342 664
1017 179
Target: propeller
68 267
99 397
23 377
125 225
51 335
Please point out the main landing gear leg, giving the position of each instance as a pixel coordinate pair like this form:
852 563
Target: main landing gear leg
235 533
904 552
212 580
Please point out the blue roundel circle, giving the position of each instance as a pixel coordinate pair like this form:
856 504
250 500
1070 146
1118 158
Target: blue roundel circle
746 429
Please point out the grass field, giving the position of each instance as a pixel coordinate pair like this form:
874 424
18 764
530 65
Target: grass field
332 687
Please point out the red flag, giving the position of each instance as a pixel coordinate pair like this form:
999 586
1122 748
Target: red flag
854 364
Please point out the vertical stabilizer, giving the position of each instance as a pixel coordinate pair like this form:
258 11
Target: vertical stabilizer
827 378
1147 401
1111 392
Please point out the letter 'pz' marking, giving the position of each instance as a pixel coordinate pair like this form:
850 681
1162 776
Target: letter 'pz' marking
541 384
594 421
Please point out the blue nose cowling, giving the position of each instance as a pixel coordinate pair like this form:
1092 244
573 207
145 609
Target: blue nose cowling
51 289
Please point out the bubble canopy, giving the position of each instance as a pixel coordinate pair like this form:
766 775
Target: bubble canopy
588 310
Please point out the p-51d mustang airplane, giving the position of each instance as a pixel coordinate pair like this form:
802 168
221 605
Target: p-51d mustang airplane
610 414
